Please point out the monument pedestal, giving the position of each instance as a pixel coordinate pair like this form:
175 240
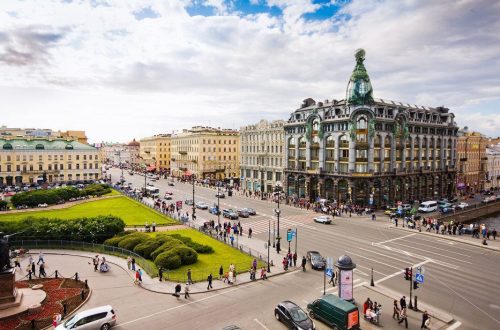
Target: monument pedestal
8 290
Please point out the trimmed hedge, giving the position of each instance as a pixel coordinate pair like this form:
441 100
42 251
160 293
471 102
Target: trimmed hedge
3 205
168 245
130 241
167 260
146 248
53 196
200 248
95 230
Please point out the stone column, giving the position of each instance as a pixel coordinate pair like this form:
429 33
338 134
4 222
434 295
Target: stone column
337 153
443 153
371 154
403 153
352 155
382 151
322 144
308 154
393 152
412 155
427 150
296 152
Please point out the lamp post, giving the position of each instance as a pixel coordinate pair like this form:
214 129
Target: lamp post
268 246
278 211
218 205
194 207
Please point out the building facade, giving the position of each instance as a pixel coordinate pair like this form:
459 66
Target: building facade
118 153
262 156
471 149
31 160
155 152
369 151
493 167
209 153
79 136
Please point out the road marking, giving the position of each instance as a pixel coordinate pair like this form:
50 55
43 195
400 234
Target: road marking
438 263
454 325
378 262
434 248
375 271
395 239
386 256
440 254
401 272
494 306
362 273
262 325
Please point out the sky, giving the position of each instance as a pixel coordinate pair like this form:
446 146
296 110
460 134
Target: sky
124 69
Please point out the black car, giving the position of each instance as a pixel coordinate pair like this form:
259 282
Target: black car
293 316
250 211
220 195
316 260
243 213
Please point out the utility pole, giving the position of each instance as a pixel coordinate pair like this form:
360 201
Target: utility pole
194 206
278 238
410 305
268 246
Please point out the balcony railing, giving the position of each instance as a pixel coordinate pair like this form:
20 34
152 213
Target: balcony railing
344 144
387 159
344 159
361 145
362 159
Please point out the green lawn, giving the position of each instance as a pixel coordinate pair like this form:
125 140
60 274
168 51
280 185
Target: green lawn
209 263
130 211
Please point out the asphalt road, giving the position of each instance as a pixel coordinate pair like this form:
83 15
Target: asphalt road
460 279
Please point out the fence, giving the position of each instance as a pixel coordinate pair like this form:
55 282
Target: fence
147 265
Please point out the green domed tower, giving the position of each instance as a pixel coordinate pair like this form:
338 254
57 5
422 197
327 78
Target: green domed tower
359 89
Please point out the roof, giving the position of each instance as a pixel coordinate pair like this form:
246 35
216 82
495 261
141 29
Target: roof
338 302
45 144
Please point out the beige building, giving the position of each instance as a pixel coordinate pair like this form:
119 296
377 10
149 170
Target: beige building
155 152
471 151
79 136
210 153
31 160
493 167
118 153
262 155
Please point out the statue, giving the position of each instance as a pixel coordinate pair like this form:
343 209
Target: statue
4 253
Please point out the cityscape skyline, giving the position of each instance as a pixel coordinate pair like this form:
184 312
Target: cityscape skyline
133 69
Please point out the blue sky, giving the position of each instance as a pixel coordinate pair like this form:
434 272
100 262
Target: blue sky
124 69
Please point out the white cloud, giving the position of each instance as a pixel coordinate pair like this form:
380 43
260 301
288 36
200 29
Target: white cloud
119 77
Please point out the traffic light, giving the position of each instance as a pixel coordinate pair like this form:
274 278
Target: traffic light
415 285
408 274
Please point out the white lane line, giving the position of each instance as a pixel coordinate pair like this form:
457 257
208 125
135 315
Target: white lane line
362 273
410 245
439 254
375 271
378 262
183 305
395 239
385 255
400 272
321 287
440 263
454 325
335 289
259 323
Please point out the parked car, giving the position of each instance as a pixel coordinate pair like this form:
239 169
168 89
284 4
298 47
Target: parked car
168 193
323 219
488 193
243 213
230 214
202 205
462 205
291 315
316 260
42 205
188 202
220 195
334 311
489 199
390 210
167 197
102 318
444 206
250 211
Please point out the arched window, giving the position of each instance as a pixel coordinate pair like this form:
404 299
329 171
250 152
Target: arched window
39 146
330 142
7 146
362 124
291 143
315 126
302 142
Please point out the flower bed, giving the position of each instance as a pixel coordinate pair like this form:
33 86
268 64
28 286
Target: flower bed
59 292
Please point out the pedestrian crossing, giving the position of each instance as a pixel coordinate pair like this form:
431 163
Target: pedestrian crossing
288 222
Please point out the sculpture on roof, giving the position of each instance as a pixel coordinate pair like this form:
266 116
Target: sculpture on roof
359 89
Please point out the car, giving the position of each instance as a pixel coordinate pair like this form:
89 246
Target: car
443 200
250 211
220 195
149 184
168 193
453 199
489 199
445 206
214 210
202 205
42 205
315 259
462 205
167 197
171 184
406 207
102 318
446 210
488 193
230 214
323 219
243 213
290 314
188 202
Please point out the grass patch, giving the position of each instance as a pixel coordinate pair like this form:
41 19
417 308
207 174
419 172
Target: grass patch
209 263
130 211
112 193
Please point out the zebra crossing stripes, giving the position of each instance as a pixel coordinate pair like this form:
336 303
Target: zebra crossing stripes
262 226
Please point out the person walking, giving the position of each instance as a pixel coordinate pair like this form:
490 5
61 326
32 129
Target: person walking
404 317
209 279
494 233
16 262
221 272
33 268
129 262
40 258
426 321
95 261
133 264
160 273
189 276
402 302
42 270
396 310
295 259
137 277
186 291
332 279
178 289
250 232
304 262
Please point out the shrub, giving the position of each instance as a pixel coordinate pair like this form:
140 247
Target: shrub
3 205
113 241
146 248
200 248
130 241
168 245
187 254
167 260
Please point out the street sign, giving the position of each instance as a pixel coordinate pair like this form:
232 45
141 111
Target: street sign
290 234
329 272
419 278
421 270
178 204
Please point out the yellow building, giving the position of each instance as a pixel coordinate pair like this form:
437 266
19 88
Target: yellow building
31 160
208 152
154 151
472 165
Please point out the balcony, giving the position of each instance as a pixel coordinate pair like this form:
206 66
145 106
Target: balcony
344 159
362 159
387 159
183 152
344 144
376 145
362 145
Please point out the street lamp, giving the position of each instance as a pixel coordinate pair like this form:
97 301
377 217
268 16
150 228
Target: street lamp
218 205
277 190
268 246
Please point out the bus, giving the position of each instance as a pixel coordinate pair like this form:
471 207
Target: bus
153 191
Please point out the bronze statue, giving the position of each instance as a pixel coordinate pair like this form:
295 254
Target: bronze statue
4 252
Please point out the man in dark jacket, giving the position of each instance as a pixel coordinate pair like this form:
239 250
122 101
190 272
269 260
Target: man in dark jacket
209 279
402 302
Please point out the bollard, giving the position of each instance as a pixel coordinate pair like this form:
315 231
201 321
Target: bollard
372 283
57 276
86 284
83 295
29 275
76 276
415 305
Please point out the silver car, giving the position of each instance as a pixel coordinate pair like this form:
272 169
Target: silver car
102 318
323 219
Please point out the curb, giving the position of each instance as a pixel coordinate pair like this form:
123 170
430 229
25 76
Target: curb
447 237
434 312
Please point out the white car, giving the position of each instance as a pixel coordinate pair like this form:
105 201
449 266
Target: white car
102 318
462 205
202 205
323 219
42 205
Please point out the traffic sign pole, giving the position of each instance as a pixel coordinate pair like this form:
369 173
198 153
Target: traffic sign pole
410 305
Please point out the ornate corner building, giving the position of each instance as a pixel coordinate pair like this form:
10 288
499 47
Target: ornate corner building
369 151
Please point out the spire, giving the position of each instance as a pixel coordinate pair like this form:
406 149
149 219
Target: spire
359 89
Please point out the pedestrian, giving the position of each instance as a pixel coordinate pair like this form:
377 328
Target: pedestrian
154 226
221 272
232 239
30 260
494 233
209 280
160 273
40 258
178 289
263 275
33 268
402 302
189 276
16 262
252 274
249 232
404 318
254 263
396 310
96 262
42 270
332 279
285 263
133 264
304 261
295 259
426 321
129 262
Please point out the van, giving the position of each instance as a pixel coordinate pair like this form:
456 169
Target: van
96 318
429 206
335 312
